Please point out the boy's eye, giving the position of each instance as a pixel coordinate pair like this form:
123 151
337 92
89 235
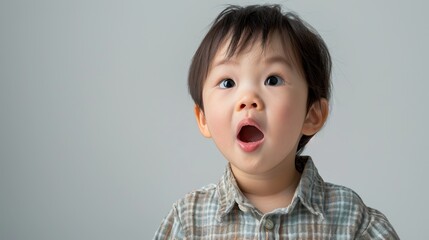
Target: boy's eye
227 83
274 81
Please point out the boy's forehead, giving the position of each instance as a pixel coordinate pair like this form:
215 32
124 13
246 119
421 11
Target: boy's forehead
274 47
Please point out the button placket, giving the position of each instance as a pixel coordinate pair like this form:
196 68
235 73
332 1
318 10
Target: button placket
269 224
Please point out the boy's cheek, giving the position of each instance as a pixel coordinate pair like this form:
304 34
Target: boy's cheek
215 122
219 123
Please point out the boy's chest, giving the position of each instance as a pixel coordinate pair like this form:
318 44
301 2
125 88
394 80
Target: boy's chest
244 226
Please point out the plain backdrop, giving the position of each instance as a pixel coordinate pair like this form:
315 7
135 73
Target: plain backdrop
98 136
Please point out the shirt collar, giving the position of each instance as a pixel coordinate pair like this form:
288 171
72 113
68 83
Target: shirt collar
309 191
228 193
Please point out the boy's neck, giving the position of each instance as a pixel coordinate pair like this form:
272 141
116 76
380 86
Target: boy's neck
270 190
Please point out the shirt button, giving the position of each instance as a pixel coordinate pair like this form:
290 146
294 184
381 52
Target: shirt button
269 224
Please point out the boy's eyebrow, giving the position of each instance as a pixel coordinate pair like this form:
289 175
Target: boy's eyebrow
224 61
269 60
278 58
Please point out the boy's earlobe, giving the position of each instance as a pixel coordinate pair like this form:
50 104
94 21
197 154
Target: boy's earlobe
316 117
201 120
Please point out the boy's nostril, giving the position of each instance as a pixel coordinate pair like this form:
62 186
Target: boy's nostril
253 105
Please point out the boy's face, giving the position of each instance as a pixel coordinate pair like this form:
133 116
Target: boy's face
255 107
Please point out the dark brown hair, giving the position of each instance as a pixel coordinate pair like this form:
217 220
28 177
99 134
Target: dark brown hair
246 25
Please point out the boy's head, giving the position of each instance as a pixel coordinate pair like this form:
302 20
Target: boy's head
238 29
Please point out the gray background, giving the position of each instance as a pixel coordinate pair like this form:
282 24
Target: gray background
97 133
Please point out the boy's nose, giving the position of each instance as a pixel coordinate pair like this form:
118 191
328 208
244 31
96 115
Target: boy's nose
248 102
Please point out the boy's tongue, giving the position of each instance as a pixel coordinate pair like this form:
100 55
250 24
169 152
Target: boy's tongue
250 134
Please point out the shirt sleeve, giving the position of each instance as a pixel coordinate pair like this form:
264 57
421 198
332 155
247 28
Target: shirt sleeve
378 227
171 227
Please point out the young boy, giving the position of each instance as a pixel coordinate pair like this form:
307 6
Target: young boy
261 83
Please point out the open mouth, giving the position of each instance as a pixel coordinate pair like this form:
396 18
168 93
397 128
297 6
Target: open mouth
249 134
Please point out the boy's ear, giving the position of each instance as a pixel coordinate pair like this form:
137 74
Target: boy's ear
316 117
201 120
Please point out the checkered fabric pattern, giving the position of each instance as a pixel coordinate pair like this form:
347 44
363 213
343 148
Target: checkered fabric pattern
318 210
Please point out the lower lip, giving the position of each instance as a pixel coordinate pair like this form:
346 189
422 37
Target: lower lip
250 146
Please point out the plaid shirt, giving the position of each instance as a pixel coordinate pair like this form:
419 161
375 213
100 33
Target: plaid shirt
318 210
